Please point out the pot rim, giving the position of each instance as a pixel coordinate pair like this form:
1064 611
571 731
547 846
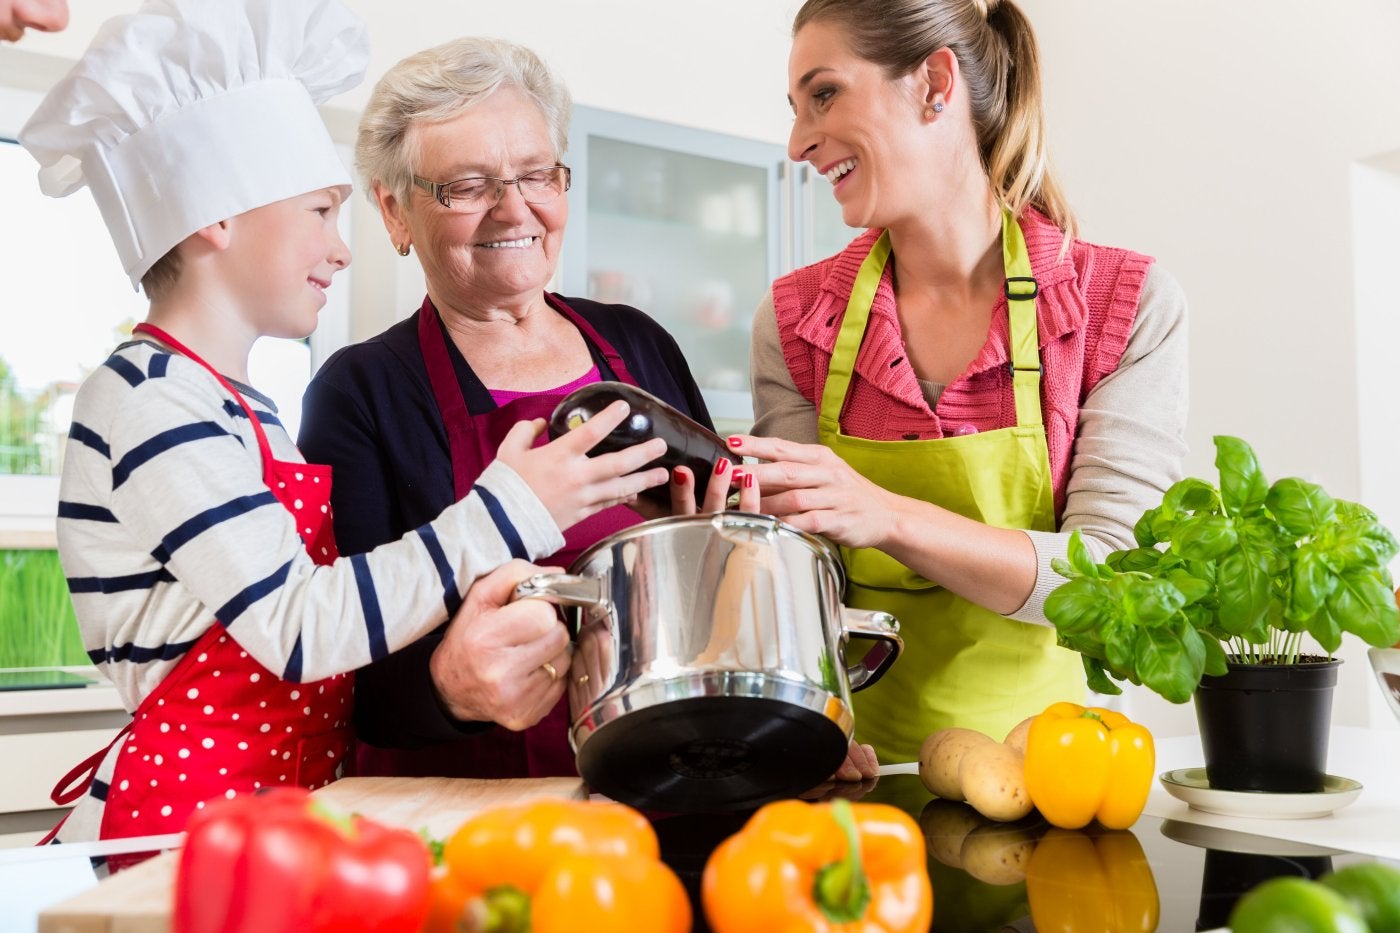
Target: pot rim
727 518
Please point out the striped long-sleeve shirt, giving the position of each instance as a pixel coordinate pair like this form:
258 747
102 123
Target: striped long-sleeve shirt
165 525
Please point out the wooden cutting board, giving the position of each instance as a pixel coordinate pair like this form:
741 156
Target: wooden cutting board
139 899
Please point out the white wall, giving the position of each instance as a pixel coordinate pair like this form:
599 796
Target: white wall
1227 139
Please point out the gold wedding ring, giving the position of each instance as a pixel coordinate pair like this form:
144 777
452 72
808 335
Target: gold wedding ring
549 669
583 678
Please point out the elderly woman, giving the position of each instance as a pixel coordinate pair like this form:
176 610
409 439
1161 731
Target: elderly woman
461 148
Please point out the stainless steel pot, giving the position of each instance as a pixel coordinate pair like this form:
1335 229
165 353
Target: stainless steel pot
709 669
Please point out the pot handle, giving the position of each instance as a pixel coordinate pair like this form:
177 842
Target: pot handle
883 629
564 589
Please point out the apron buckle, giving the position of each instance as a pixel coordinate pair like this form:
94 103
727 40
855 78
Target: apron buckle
1021 295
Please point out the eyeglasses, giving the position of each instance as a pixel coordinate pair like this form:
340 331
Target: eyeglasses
474 195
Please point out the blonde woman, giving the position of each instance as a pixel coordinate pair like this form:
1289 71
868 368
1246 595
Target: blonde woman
967 383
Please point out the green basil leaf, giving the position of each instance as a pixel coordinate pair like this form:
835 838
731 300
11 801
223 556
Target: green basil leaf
1079 606
1191 495
1135 560
1063 568
1142 530
1361 543
1365 606
1215 657
1325 626
1243 585
1164 665
1079 557
1300 506
1311 582
1242 483
1098 678
1192 589
1193 647
1152 602
1204 537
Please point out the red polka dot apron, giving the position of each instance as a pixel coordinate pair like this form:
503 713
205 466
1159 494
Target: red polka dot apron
220 724
543 749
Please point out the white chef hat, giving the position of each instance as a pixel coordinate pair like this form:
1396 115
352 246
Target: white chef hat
189 112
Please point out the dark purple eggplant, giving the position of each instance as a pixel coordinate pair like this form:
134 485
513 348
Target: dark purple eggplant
688 443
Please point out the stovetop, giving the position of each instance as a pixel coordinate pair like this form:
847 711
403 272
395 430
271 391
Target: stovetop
1198 871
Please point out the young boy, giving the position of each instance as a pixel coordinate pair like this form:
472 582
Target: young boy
196 541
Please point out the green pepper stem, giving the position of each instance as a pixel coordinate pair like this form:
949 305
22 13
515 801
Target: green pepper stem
507 910
841 889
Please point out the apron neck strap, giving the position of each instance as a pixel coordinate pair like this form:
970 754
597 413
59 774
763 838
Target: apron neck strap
1020 288
843 355
264 448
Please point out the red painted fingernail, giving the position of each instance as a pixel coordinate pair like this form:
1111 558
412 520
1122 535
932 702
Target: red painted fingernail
734 441
720 466
748 480
678 477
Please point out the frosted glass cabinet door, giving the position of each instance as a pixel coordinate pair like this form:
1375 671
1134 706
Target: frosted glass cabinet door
685 225
822 231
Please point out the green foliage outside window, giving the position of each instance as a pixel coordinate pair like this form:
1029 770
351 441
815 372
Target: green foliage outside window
37 625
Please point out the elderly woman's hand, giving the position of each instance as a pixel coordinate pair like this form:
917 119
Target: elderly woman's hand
809 486
571 484
502 661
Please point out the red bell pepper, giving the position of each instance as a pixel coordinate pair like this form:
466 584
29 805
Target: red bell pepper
277 863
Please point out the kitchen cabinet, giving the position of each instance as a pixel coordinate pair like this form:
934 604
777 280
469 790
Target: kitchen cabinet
691 226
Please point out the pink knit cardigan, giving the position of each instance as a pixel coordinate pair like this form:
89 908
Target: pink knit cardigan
1085 314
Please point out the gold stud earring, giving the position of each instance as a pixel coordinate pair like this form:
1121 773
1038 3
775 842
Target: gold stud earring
403 249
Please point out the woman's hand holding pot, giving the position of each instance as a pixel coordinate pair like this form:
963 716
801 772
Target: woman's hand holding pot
571 484
502 661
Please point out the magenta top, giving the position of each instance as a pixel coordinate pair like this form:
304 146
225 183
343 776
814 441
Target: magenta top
505 396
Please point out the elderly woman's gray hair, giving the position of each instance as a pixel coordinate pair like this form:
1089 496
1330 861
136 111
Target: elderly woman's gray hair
438 84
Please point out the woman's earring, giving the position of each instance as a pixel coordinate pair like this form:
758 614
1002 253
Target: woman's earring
938 106
403 249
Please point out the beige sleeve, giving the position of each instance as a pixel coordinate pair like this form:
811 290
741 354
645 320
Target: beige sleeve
779 409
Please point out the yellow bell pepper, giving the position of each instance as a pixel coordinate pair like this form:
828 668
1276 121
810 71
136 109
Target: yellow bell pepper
1091 880
1083 764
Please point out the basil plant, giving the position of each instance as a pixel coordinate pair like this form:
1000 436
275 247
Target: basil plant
1240 571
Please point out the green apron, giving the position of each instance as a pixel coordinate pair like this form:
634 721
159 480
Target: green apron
963 665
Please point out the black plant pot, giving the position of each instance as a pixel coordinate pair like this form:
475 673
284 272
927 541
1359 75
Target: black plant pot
1265 727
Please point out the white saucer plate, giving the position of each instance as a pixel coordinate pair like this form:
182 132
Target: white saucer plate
1189 785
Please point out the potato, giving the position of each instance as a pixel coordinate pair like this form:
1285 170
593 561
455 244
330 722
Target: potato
998 854
945 825
940 756
1016 738
993 779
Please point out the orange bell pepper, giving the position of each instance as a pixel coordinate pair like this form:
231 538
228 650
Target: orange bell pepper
1083 764
556 866
820 868
1091 881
